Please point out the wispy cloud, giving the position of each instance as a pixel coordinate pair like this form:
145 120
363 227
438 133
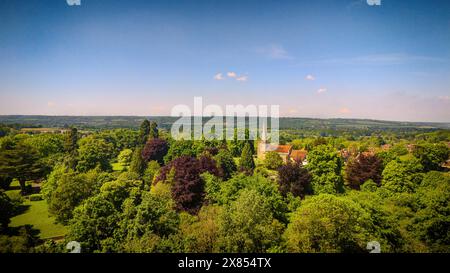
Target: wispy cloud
242 78
275 52
232 74
310 77
51 104
219 77
380 59
321 90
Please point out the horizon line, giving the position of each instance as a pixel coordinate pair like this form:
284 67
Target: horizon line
293 117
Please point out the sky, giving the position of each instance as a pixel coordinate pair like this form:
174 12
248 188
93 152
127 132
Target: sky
321 58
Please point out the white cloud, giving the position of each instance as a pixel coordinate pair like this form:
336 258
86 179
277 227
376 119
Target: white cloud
444 98
231 74
219 77
321 90
242 78
310 77
276 52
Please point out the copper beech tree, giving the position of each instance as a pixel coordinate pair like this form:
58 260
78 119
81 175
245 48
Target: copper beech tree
187 185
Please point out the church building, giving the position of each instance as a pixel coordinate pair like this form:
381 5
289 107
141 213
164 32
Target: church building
284 151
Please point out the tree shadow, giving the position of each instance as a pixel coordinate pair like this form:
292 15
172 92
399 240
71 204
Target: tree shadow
12 188
21 209
27 230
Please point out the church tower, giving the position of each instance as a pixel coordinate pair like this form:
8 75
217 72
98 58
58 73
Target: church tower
262 143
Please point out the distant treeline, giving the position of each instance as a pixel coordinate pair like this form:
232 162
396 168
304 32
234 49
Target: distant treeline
321 126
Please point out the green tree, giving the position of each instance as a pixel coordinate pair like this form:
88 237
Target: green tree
121 138
383 228
144 132
47 144
247 225
150 172
124 157
326 223
51 183
369 186
402 176
225 163
431 155
230 190
93 223
71 189
70 144
273 160
212 188
431 221
5 182
155 214
120 189
137 164
325 165
201 234
4 130
148 220
154 132
181 148
21 161
23 242
246 163
236 146
94 152
6 210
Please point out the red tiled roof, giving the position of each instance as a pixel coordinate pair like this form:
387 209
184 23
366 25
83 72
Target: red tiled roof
299 155
283 149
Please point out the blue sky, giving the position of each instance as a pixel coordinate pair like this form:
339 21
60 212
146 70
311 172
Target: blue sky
321 58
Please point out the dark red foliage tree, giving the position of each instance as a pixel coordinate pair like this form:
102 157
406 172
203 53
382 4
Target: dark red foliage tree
155 149
361 168
212 150
188 187
208 164
295 179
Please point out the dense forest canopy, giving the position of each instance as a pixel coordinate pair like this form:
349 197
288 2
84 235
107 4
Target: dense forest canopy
123 184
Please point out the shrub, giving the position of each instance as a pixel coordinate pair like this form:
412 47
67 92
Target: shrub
273 160
369 186
36 197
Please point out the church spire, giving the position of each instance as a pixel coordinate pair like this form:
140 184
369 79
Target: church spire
264 132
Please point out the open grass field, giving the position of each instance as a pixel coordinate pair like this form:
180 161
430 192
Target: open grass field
37 215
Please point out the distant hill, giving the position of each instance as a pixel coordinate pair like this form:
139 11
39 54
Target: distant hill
98 122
